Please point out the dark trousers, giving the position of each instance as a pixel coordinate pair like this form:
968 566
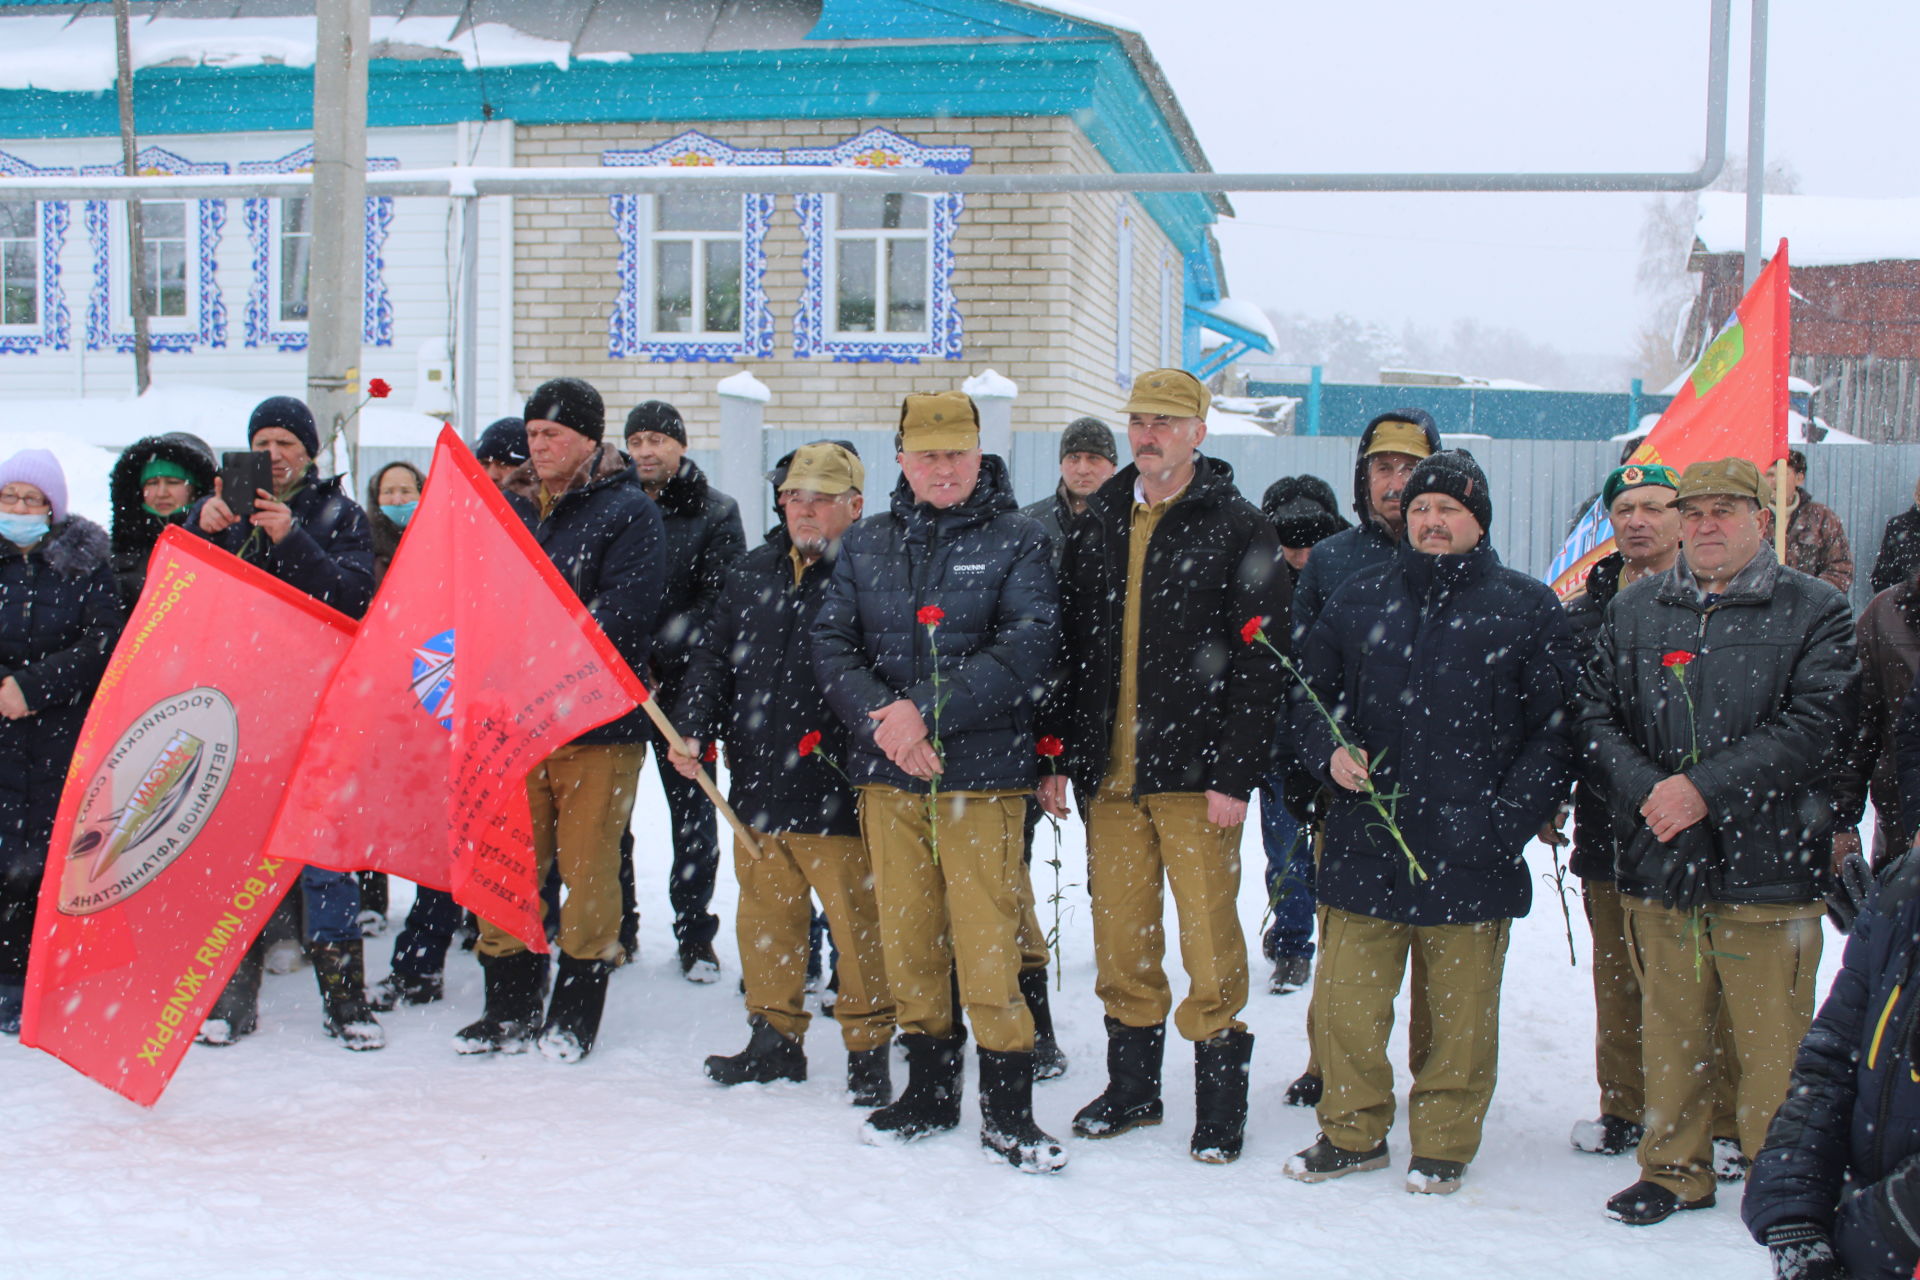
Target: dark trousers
696 853
421 948
1290 893
19 898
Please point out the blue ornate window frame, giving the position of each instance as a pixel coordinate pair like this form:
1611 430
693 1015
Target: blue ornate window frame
207 328
879 148
56 325
628 336
258 322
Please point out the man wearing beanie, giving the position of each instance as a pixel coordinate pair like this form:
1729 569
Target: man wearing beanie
585 506
1450 675
933 645
704 537
1717 697
502 448
1167 715
1088 459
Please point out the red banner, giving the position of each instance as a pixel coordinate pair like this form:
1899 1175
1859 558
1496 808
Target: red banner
1733 405
426 752
155 883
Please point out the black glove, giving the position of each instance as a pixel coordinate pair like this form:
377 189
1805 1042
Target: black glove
1848 893
1801 1251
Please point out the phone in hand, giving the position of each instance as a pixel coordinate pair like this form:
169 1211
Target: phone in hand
241 474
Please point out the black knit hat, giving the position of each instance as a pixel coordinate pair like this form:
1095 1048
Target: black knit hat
571 402
288 414
1089 435
656 415
504 440
1454 473
1302 510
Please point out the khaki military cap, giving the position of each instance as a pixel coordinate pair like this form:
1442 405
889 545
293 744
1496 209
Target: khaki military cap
1172 392
824 467
938 421
1734 477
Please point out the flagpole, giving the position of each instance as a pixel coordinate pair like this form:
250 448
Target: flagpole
1780 510
676 743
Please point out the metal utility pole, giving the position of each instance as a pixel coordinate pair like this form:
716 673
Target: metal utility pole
336 281
1756 137
129 160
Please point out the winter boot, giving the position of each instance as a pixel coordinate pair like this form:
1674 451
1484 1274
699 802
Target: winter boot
341 970
698 963
13 999
516 995
1607 1136
1645 1203
1290 973
237 1012
931 1103
1049 1063
1132 1096
403 988
1323 1162
1304 1091
1729 1162
1426 1177
1006 1114
1220 1067
769 1056
573 1019
870 1077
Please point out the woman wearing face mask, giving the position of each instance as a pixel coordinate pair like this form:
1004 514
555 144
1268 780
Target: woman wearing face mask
60 614
154 484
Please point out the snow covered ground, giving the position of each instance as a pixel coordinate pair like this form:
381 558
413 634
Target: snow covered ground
286 1156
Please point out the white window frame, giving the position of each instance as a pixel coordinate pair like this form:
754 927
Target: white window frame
648 237
276 232
882 237
121 254
37 240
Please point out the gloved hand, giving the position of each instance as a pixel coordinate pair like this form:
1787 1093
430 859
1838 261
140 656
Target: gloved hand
1848 893
1801 1251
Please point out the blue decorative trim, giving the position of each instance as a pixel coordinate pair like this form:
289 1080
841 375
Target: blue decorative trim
377 328
55 323
211 322
879 148
627 334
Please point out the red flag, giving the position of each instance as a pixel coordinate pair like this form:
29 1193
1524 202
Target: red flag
426 754
1734 405
156 883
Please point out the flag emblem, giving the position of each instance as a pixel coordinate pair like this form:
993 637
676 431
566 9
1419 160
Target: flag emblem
433 678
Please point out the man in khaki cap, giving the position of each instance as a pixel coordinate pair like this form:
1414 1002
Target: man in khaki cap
750 683
934 643
1167 715
1716 695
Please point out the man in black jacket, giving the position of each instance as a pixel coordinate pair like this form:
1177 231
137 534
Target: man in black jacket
704 538
1167 717
1450 675
1714 700
585 506
1088 459
750 684
933 646
1899 554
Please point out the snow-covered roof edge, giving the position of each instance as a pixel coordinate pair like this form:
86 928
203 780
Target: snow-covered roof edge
1821 231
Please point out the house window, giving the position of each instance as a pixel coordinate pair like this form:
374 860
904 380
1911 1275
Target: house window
881 258
167 244
280 252
695 243
33 307
179 284
19 262
294 260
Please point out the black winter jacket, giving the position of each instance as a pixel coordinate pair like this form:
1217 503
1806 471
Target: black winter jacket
329 553
1207 699
1899 557
1774 683
704 537
1843 1151
60 614
986 566
1053 514
604 536
750 684
135 529
1593 849
1455 674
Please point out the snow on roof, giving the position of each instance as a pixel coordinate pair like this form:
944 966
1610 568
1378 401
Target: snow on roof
1222 423
744 386
1443 378
1821 231
1084 12
1796 430
1245 315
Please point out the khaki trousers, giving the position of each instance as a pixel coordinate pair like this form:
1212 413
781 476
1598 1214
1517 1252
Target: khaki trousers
1762 962
581 799
1419 1021
1030 937
1131 846
1362 962
773 926
960 915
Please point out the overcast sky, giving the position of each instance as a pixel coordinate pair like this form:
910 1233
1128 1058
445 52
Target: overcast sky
1537 85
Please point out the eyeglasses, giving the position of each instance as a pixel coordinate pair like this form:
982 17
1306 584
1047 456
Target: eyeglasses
17 501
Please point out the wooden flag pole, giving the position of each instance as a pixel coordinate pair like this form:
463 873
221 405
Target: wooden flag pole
676 743
1780 510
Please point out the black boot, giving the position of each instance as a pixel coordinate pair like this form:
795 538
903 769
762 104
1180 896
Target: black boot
341 970
931 1103
1220 1068
1132 1096
870 1077
516 997
573 1019
1305 1091
237 1012
1006 1114
769 1056
401 988
1049 1062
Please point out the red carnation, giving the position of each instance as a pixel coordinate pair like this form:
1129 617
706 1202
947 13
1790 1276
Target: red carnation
711 754
1251 630
1050 747
1678 658
379 388
808 741
930 615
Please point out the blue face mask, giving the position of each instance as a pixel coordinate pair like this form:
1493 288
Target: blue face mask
23 531
399 513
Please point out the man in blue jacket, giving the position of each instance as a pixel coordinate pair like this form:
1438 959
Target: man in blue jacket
933 645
